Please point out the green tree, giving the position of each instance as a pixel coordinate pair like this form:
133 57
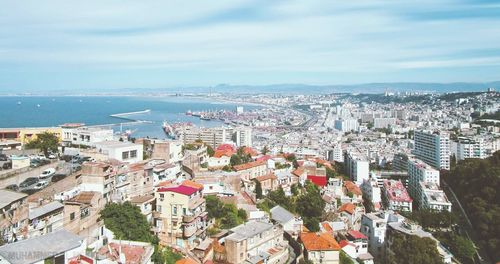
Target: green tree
258 189
344 258
45 142
265 150
413 250
127 222
291 157
165 255
235 160
210 151
462 248
279 197
226 215
476 183
310 206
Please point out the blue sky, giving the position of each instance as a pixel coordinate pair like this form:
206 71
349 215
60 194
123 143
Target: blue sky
47 45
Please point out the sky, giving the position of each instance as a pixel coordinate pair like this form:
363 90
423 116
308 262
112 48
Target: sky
96 44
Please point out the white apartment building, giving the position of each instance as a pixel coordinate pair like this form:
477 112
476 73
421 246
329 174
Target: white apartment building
347 125
383 122
372 191
87 136
256 242
374 226
243 136
467 148
122 151
216 136
433 148
419 171
357 166
431 197
336 154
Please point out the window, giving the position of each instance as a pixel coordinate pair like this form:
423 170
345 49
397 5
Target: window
175 210
158 208
125 155
133 154
72 216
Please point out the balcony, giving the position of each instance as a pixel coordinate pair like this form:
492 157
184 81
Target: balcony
188 218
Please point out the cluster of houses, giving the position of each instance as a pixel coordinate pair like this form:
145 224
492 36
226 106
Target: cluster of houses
170 188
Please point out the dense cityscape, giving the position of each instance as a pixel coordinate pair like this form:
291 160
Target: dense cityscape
328 178
250 132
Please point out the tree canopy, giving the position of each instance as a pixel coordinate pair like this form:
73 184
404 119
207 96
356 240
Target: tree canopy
226 215
127 222
413 250
45 142
477 185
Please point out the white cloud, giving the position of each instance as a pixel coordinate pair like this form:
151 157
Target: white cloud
296 36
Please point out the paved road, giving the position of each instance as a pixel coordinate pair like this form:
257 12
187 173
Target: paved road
466 226
17 179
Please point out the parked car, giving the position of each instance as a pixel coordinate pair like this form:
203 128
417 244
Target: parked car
12 187
58 177
28 182
40 185
7 165
52 156
47 173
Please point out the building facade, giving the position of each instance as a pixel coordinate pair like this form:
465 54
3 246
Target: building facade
433 148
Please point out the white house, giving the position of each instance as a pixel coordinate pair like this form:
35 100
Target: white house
122 151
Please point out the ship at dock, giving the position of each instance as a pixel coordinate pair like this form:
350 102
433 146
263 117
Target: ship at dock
171 129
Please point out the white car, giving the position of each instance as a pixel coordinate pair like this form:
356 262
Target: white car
52 156
47 173
40 185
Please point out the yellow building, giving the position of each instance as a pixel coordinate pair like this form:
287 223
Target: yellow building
25 135
180 218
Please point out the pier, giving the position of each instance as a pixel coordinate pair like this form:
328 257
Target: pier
120 115
124 116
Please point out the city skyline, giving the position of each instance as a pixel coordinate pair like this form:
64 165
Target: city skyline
112 45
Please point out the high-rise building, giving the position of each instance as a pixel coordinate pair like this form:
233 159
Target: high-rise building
346 125
383 122
357 166
433 148
470 149
243 136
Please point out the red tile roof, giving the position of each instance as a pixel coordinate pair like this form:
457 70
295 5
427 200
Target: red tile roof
327 227
133 254
298 172
185 261
318 180
181 189
192 184
319 241
249 165
264 158
352 187
347 207
221 153
356 234
226 147
250 151
269 176
396 191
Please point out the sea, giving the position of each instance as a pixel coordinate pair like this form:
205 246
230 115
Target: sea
50 111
